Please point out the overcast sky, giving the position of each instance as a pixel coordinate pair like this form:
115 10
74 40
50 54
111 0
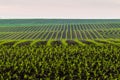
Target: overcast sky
60 9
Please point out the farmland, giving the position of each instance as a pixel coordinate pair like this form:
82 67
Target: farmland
59 49
19 30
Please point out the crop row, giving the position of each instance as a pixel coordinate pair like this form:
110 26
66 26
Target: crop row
92 60
58 32
97 42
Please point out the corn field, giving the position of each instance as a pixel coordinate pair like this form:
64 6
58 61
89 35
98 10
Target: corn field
59 49
86 60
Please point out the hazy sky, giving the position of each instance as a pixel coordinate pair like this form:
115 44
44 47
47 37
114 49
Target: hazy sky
60 9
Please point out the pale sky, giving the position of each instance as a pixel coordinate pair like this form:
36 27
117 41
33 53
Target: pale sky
60 9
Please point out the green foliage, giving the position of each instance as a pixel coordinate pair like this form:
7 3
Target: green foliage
7 42
49 42
79 42
33 43
93 42
63 62
22 43
108 42
64 42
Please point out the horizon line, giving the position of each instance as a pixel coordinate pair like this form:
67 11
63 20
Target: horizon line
50 18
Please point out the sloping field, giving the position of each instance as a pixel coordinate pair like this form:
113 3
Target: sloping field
59 49
62 29
76 60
